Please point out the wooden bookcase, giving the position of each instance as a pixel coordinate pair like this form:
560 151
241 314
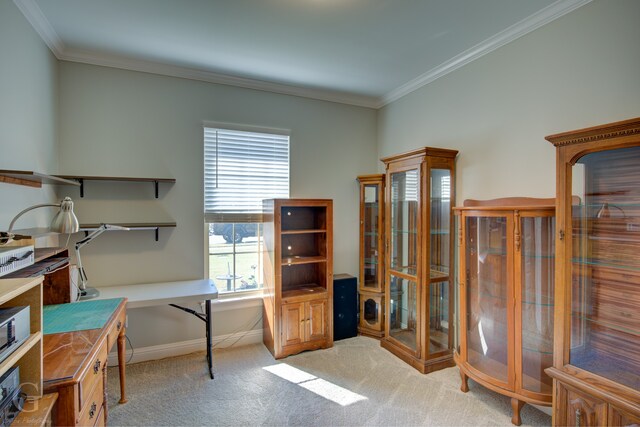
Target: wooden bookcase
28 357
419 316
298 275
596 368
506 297
371 288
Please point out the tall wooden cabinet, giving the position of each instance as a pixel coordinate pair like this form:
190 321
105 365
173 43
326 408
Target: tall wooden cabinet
419 312
506 297
298 275
596 367
371 287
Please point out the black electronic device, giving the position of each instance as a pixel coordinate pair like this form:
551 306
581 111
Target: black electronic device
345 306
15 328
11 396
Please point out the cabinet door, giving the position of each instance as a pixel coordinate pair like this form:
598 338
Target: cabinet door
371 236
488 296
622 418
534 320
292 323
371 311
403 228
584 410
316 320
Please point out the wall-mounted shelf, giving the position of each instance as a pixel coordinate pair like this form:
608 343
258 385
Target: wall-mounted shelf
80 179
32 179
134 226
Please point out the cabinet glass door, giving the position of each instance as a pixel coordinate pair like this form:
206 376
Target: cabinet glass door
537 282
440 219
371 236
404 222
403 311
605 321
440 263
403 295
439 320
487 295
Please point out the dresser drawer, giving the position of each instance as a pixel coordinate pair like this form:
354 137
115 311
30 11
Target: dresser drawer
115 329
92 410
100 421
92 375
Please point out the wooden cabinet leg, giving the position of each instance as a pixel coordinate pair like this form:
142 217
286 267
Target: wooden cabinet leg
464 386
121 365
516 406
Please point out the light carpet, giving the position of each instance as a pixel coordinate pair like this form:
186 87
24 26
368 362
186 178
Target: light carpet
354 383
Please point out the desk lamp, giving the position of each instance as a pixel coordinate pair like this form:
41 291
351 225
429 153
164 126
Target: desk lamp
86 292
65 221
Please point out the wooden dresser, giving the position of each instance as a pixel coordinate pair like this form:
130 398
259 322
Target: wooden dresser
75 365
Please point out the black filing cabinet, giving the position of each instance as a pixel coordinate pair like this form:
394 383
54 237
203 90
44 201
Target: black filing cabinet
345 306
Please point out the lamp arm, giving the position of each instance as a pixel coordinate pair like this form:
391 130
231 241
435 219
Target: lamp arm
82 276
15 218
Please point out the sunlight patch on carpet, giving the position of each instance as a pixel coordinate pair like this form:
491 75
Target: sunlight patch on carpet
323 388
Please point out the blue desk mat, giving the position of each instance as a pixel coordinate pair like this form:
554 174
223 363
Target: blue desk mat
78 316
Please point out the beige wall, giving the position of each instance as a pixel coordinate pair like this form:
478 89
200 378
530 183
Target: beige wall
28 116
580 70
124 123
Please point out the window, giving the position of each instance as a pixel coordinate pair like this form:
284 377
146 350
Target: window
241 169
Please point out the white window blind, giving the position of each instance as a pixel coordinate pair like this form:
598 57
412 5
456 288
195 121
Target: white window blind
240 170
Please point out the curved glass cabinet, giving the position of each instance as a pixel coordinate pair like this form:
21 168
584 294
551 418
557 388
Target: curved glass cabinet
597 342
419 315
371 255
506 297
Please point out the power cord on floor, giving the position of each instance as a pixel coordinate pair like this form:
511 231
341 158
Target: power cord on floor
239 329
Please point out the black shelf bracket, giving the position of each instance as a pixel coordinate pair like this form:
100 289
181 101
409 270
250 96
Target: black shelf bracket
156 231
155 183
81 181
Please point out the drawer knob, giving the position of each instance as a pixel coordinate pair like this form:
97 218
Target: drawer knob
96 367
119 325
92 411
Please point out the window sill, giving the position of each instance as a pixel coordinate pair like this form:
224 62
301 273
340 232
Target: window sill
236 302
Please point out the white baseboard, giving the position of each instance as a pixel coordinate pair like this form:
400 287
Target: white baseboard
156 352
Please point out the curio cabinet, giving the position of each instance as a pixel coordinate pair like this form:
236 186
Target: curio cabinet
371 287
506 297
419 315
596 367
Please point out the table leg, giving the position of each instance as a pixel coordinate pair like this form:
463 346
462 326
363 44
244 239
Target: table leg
121 364
208 326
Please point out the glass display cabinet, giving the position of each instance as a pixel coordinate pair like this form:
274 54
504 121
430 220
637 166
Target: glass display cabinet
506 297
596 368
419 315
371 287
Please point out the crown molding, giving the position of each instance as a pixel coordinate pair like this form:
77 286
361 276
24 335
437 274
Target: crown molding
115 61
517 30
36 18
40 23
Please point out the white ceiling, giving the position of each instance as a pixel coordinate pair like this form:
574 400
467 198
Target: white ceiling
362 52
